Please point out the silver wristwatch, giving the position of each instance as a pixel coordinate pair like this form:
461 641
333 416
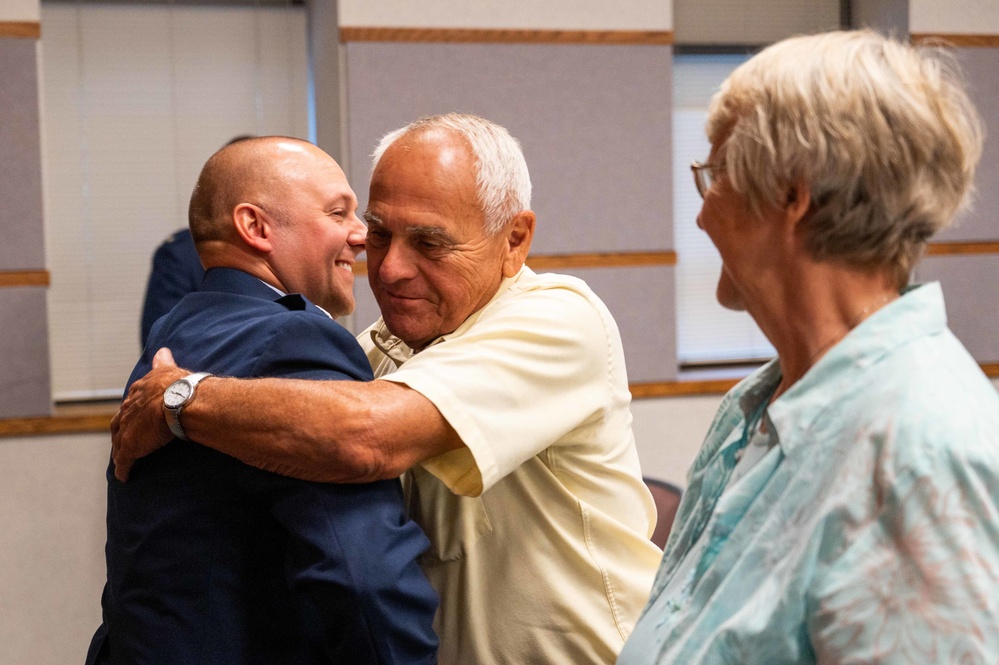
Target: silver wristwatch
178 395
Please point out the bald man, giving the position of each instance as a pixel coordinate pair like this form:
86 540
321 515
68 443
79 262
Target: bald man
210 560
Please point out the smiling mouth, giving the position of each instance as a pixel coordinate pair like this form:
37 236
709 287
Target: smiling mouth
399 296
345 265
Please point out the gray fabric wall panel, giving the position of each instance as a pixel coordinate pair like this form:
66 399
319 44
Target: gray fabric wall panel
594 121
20 158
750 21
24 387
366 312
971 291
982 221
886 16
641 300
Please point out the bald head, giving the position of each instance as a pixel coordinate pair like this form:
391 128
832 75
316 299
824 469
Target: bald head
252 170
282 210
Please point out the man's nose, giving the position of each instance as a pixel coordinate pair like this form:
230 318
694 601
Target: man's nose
396 264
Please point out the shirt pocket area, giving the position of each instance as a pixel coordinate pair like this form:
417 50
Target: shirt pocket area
453 523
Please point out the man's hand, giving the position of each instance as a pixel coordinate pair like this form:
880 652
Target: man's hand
139 427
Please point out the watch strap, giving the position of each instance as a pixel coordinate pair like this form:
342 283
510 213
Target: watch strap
173 414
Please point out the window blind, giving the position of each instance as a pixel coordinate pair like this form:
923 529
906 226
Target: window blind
707 333
135 98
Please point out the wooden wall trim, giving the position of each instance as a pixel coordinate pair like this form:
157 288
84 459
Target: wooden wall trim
686 387
682 388
954 39
97 418
668 257
602 260
29 29
77 418
469 35
959 248
10 278
595 260
58 424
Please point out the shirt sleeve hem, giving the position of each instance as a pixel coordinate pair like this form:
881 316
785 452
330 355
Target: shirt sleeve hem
474 468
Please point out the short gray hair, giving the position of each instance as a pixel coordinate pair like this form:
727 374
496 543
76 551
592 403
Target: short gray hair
883 132
503 182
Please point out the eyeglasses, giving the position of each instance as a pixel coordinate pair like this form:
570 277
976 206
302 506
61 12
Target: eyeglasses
704 176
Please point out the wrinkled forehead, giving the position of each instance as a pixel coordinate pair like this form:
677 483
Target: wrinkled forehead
435 150
425 176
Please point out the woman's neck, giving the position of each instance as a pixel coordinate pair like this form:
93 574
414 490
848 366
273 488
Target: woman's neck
814 308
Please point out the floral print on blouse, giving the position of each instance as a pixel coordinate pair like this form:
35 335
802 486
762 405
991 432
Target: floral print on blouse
868 534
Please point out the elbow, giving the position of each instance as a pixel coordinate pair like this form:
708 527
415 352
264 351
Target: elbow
364 464
362 461
392 466
370 441
387 463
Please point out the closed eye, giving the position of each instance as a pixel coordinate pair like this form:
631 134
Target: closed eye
377 236
430 238
433 245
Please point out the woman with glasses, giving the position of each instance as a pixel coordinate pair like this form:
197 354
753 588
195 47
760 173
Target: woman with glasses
845 505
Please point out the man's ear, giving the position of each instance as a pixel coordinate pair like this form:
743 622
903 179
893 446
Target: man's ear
518 236
254 226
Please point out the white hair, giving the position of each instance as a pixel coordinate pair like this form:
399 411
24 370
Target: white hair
883 133
503 182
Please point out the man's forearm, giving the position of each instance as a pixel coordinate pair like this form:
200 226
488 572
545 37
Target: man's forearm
329 431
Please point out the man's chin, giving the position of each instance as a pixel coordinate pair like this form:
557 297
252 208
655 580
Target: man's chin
415 336
338 308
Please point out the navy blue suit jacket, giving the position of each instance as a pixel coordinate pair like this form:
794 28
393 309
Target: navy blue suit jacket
212 561
176 272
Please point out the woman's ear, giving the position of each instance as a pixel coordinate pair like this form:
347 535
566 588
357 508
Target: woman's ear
799 200
518 236
254 226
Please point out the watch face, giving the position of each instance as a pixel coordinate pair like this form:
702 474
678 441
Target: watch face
177 394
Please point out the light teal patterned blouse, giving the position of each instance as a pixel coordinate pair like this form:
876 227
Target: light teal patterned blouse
868 534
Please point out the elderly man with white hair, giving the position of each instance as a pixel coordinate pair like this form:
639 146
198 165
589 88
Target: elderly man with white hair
503 393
